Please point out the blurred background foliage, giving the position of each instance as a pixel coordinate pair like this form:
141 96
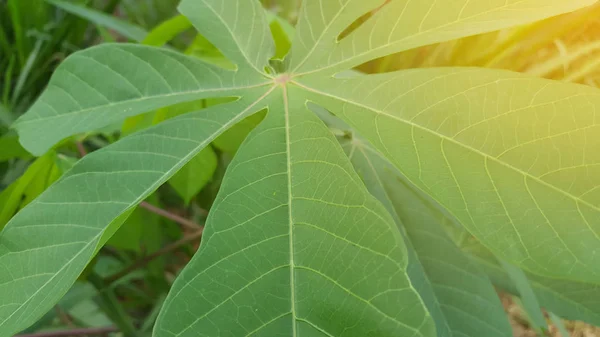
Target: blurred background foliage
123 288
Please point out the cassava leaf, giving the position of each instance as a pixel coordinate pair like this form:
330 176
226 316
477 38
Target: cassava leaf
373 169
295 244
108 83
459 296
63 228
511 157
402 25
238 28
311 253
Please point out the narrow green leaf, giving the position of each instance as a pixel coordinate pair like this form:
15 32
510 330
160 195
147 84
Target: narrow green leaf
463 301
311 253
560 326
513 158
106 35
528 298
7 87
373 169
63 228
571 300
8 203
12 198
25 72
238 28
10 148
195 174
288 29
282 33
106 84
468 300
43 178
402 25
6 118
207 52
120 26
167 31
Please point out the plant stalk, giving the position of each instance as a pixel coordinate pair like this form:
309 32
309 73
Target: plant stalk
147 259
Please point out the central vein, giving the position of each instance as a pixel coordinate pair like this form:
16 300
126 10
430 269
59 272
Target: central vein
290 218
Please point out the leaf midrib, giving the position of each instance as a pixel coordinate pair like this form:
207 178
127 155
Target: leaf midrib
141 99
290 215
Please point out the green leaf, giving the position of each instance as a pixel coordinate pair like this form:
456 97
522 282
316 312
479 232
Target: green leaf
207 52
65 163
511 157
167 31
129 234
195 174
233 138
65 226
122 27
47 175
528 298
295 244
12 198
282 33
459 296
277 261
6 117
9 203
106 84
143 121
373 170
238 28
402 25
10 148
560 326
73 302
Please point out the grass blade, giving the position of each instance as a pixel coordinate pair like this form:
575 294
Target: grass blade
124 28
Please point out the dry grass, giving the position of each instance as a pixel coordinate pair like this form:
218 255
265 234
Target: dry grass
518 321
